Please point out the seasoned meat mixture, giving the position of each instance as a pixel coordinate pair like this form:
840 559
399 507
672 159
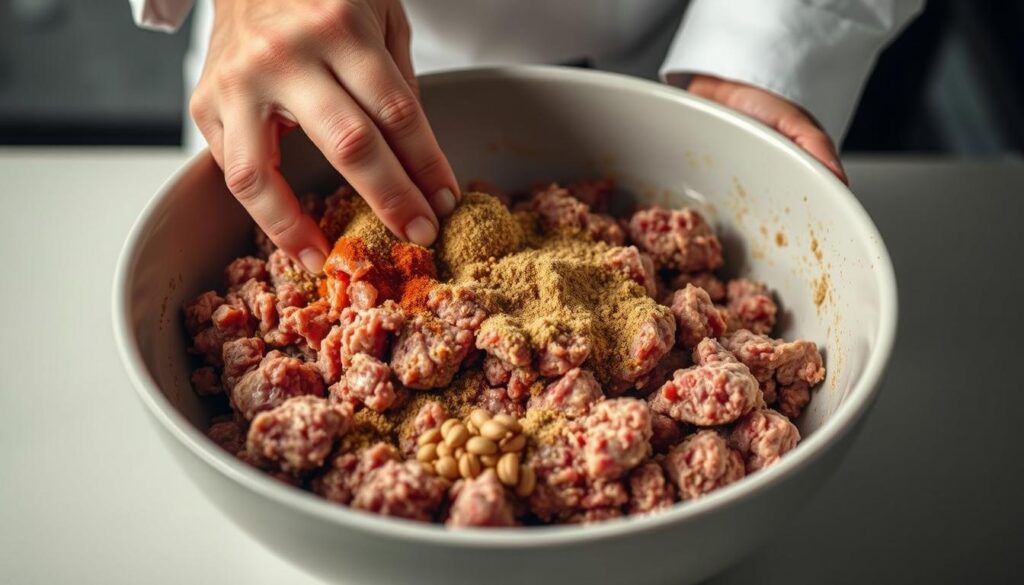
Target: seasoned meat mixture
545 362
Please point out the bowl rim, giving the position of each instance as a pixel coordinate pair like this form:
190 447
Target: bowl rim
854 405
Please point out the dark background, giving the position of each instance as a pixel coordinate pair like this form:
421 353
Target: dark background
79 72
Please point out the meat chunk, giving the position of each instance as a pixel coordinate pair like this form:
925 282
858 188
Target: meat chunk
428 352
362 295
481 501
458 306
617 437
783 368
311 323
498 401
705 280
697 317
635 265
241 270
604 228
665 432
563 487
677 239
496 371
562 353
205 381
676 359
261 302
595 193
649 491
703 463
718 390
277 379
763 436
505 341
654 338
367 381
199 311
573 394
299 434
750 306
558 209
348 471
228 434
228 322
240 356
359 331
401 489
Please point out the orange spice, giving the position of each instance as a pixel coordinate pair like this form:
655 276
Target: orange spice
414 295
403 266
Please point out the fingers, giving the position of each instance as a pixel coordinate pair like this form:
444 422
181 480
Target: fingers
799 128
250 159
382 90
356 148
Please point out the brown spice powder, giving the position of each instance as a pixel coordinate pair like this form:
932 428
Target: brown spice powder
481 227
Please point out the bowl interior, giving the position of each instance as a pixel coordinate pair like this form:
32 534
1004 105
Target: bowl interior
783 219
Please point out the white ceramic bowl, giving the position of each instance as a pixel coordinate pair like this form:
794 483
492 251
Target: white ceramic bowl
785 219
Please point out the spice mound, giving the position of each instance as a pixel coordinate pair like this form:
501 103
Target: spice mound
544 362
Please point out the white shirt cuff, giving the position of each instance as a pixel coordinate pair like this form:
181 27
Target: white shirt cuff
160 15
817 55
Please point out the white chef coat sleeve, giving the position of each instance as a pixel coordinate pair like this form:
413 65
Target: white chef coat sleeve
816 53
161 15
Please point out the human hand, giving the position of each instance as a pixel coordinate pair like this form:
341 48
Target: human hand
776 112
341 70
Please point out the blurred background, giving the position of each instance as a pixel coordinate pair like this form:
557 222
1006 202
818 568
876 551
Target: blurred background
78 72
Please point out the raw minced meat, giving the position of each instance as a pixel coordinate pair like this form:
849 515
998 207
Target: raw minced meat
697 397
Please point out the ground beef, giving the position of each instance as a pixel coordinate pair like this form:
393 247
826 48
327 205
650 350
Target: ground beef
241 270
228 434
261 302
697 317
703 463
563 353
359 331
277 379
428 352
520 382
635 265
228 322
563 487
750 306
676 359
510 346
665 432
199 311
299 434
401 489
362 295
311 323
282 268
654 339
289 295
558 209
677 239
649 491
705 280
594 515
763 436
604 228
497 400
573 394
367 381
783 368
617 437
496 371
240 356
595 193
717 390
481 501
458 306
348 471
205 381
793 398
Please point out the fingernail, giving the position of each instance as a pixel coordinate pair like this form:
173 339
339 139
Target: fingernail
421 231
313 260
443 201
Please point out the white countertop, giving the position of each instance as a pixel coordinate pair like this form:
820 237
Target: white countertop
929 492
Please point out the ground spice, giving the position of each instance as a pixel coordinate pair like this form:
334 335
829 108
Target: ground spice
542 426
481 227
